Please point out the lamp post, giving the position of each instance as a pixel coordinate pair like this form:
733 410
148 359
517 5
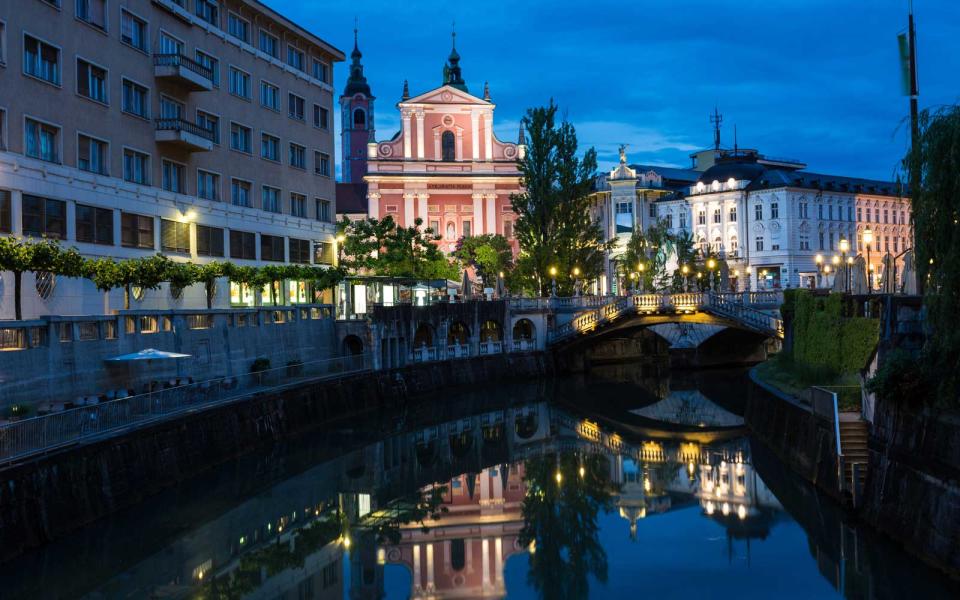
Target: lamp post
749 272
736 281
710 266
844 248
819 260
576 281
686 283
553 282
641 268
835 264
868 239
340 240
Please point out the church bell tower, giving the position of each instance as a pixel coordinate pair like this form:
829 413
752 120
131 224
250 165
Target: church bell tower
356 113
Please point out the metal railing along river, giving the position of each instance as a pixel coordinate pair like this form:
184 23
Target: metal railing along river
41 434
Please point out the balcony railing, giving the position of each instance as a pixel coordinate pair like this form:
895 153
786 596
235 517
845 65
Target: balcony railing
179 60
182 130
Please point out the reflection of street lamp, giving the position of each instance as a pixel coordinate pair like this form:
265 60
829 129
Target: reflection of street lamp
868 239
553 281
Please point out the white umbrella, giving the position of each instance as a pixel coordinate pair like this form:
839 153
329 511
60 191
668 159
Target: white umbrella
858 278
909 276
148 354
889 274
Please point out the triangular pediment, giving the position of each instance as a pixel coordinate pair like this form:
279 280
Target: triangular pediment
446 94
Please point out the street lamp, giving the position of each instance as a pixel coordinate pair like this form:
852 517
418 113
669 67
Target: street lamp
341 238
710 265
576 281
819 260
844 247
686 271
641 267
868 239
736 281
749 272
553 281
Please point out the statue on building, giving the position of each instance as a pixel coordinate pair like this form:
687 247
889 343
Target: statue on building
623 154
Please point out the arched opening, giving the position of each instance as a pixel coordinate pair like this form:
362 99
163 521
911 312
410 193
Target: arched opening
423 336
458 334
524 330
448 146
458 555
526 425
491 331
461 443
359 118
425 451
352 345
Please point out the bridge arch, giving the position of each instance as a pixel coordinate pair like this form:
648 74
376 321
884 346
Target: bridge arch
458 333
424 335
491 331
524 329
352 345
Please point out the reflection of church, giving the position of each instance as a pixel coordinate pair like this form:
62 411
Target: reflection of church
464 552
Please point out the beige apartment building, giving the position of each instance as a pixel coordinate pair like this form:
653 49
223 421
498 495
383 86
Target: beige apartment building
202 129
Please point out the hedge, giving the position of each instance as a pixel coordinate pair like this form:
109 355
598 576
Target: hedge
823 338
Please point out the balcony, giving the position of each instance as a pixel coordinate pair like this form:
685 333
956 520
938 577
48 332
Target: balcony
184 134
184 70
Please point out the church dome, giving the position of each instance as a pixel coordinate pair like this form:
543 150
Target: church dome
737 170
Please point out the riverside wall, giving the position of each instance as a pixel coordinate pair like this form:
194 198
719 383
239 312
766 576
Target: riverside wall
47 497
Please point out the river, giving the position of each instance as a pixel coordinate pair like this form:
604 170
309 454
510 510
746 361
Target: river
629 482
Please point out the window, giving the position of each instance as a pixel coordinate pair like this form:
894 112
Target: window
173 177
136 231
716 215
209 241
91 154
859 213
170 44
298 205
269 44
3 43
821 241
669 220
211 123
270 96
775 246
299 251
434 226
270 199
360 119
41 60
44 217
170 108
774 210
174 236
92 12
733 214
208 185
758 212
467 226
830 239
804 242
652 211
701 217
240 138
240 192
6 212
683 219
133 31
869 214
208 11
733 245
136 167
238 28
850 213
239 83
508 229
820 211
321 117
447 144
243 245
320 71
91 81
135 99
211 63
759 243
886 216
830 212
298 156
295 59
270 147
94 225
295 107
322 163
624 217
323 210
271 248
42 141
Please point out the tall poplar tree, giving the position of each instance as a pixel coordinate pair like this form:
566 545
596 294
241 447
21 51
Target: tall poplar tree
554 226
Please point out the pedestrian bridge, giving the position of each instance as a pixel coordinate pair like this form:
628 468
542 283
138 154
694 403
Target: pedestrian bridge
757 312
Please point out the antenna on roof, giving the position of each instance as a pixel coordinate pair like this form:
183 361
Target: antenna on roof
716 118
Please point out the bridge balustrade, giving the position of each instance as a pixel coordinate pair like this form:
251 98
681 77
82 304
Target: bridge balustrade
424 354
524 345
491 348
458 351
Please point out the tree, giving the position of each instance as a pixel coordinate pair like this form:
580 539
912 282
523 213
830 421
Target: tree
208 274
45 255
146 273
381 247
489 254
181 275
554 225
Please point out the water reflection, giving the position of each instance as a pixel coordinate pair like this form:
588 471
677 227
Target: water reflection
562 489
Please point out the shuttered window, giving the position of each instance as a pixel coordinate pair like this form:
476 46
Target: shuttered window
243 245
271 248
174 236
136 231
209 241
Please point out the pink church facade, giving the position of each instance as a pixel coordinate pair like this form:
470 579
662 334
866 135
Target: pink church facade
445 166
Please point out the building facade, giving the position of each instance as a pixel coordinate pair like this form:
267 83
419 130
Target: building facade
768 218
200 129
445 166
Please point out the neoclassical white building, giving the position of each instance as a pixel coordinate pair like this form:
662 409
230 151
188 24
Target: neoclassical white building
768 217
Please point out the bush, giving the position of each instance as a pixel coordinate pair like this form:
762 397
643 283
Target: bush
823 341
259 365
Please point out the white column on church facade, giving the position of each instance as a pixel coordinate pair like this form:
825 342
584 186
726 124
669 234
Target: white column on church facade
373 204
405 120
478 214
491 226
488 135
475 138
421 151
422 208
408 215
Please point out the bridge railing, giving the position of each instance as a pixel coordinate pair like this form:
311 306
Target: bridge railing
746 315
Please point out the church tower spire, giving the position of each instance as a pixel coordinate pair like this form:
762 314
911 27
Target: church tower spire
356 112
451 71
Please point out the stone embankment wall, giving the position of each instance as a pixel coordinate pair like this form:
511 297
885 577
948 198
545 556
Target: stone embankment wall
43 499
913 488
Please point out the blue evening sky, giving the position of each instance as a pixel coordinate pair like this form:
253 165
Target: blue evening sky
816 80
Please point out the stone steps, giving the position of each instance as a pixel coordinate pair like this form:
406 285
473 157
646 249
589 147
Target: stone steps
853 443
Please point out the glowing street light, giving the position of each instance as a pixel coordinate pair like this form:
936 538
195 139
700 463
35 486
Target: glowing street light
868 239
553 282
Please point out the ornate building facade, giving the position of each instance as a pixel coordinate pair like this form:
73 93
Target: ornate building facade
445 166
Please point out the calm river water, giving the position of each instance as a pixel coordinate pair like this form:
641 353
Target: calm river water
626 483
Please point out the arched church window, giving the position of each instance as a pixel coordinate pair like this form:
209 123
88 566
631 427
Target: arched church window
448 146
359 117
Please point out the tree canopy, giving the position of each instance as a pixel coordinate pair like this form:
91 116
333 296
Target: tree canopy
490 254
382 247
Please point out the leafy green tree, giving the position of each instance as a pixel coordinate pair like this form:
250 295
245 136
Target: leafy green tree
44 255
381 247
145 272
489 254
208 274
181 275
554 225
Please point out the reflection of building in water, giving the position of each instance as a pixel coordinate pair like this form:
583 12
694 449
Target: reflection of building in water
689 407
463 553
730 485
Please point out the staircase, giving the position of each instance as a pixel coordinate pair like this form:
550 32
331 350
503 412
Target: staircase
853 442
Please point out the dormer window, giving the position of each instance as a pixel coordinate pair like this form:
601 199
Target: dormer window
731 183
